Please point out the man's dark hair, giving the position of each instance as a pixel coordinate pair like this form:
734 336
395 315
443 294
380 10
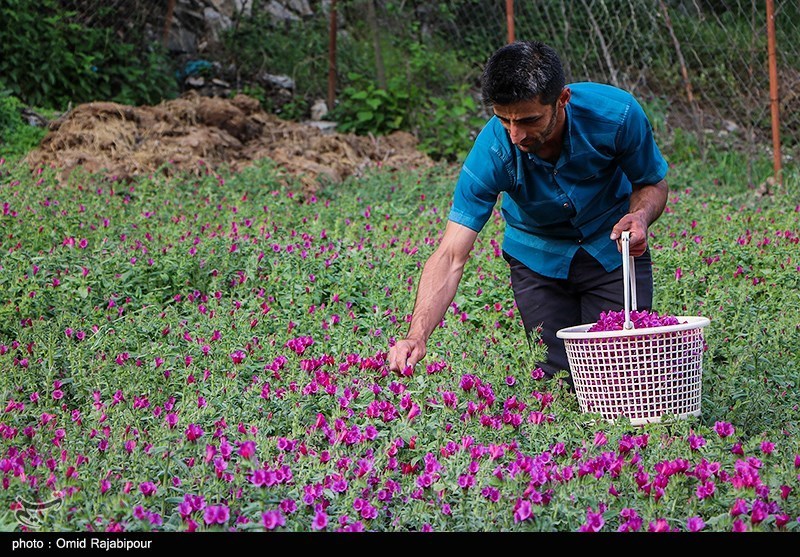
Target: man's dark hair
522 71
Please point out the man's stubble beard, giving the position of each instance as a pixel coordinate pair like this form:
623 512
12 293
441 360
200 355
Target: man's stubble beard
534 147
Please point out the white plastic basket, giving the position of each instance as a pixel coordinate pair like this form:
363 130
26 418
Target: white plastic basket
639 373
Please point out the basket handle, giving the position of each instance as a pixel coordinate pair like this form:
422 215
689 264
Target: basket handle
628 278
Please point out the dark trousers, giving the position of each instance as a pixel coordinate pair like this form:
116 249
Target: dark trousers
547 304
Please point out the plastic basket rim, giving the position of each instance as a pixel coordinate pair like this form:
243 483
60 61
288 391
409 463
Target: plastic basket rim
580 332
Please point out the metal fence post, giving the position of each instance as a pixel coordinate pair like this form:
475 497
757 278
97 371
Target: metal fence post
168 21
773 93
510 20
332 57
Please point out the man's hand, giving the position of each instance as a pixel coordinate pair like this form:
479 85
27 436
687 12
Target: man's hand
647 204
637 226
406 353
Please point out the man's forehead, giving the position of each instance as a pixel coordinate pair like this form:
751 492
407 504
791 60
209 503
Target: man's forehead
525 109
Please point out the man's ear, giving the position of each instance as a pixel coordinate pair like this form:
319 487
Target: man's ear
564 97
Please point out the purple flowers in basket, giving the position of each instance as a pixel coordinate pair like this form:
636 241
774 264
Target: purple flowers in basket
615 320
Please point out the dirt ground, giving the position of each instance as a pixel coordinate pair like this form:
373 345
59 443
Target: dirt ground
194 131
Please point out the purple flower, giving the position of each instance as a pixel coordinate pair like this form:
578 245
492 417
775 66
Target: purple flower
272 519
247 449
633 522
197 502
759 512
594 521
368 512
425 480
615 320
491 493
339 485
739 526
185 509
468 381
723 429
263 478
695 524
659 525
171 419
739 507
320 521
705 490
600 439
522 510
695 441
288 506
147 488
193 432
466 481
216 514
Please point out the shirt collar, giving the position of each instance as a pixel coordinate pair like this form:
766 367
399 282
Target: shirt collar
566 147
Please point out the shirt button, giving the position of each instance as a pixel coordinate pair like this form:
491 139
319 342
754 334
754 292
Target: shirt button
580 241
566 205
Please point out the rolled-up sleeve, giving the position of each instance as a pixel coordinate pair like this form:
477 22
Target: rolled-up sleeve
484 175
640 157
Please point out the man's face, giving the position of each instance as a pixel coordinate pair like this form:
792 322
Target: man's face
530 124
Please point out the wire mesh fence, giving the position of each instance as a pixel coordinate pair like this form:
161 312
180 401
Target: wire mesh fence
705 61
701 66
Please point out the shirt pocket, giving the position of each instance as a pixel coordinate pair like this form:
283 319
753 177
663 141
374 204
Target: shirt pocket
536 214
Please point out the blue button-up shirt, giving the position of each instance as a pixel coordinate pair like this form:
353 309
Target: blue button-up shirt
552 210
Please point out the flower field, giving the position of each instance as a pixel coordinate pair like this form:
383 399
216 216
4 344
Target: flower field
208 353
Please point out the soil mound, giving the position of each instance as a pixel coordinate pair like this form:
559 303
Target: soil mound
194 132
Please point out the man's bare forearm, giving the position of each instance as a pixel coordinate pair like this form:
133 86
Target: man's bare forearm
650 201
437 288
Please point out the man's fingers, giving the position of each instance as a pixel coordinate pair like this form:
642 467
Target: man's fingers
400 356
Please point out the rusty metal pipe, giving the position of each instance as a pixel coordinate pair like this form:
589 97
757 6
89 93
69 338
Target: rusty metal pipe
510 20
332 58
773 93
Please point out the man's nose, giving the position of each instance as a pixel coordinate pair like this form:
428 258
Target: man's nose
516 132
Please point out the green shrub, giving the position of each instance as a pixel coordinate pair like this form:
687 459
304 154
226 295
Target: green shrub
448 126
16 137
365 108
50 60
